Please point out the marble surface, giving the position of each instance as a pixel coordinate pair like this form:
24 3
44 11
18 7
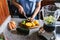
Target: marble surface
4 24
12 36
15 36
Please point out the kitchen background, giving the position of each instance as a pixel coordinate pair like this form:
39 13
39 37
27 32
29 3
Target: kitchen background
4 12
44 2
12 8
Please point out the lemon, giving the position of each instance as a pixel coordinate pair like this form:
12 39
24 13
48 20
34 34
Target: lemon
36 22
28 24
33 24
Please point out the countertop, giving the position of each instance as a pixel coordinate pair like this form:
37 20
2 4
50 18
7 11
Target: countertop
15 36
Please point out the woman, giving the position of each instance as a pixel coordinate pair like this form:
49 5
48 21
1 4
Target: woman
28 8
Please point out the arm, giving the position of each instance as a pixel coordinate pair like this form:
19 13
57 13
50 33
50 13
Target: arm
20 8
15 3
38 6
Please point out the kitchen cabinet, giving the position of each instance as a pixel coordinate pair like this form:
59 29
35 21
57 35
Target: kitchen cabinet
47 2
4 12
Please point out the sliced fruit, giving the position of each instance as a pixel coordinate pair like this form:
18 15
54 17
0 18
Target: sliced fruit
33 24
28 24
36 22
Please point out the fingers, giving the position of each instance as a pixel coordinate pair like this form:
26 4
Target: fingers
20 11
30 19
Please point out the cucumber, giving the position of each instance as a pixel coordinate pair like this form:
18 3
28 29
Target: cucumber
23 30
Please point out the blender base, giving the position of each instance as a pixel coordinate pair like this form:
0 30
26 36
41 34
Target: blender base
45 35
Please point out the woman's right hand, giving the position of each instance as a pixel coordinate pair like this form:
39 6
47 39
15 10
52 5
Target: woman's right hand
21 10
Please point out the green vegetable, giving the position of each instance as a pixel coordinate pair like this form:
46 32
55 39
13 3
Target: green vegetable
49 19
23 22
23 30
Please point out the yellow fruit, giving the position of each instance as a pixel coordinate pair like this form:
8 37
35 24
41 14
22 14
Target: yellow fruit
28 24
36 22
33 24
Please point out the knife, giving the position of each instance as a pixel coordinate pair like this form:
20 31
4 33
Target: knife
25 15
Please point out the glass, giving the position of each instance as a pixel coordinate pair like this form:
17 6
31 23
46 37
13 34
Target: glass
49 14
57 14
48 10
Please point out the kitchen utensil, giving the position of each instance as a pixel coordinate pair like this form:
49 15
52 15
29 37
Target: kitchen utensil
25 15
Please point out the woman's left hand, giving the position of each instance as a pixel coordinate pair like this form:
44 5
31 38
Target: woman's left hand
30 19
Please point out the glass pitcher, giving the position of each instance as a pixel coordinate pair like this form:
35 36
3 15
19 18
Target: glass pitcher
49 10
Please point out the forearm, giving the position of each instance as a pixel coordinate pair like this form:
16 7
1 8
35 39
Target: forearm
15 3
38 6
36 12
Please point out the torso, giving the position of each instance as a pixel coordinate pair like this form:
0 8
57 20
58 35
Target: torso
28 5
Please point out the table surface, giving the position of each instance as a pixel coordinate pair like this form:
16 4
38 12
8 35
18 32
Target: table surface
15 36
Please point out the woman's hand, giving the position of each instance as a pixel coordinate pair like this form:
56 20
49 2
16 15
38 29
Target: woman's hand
21 10
30 19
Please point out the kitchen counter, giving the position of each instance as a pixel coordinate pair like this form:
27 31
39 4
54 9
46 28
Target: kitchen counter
15 36
33 35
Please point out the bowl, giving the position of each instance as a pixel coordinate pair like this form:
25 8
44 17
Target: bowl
57 5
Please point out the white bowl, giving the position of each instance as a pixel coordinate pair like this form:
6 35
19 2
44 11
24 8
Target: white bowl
57 5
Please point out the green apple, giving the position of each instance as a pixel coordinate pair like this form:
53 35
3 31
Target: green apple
24 22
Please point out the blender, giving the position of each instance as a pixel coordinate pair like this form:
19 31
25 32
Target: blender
48 31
